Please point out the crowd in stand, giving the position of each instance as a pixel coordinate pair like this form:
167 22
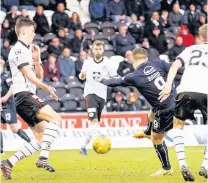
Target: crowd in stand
163 28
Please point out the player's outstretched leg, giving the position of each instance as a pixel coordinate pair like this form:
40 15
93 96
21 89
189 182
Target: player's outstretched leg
147 132
180 150
204 167
93 128
51 131
29 149
162 153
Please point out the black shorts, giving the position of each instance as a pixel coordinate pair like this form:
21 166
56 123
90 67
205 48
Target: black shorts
163 119
27 106
188 102
94 105
9 114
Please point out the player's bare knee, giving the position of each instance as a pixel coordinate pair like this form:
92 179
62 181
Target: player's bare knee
178 123
156 138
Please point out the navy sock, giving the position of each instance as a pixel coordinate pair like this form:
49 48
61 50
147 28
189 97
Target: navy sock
1 136
162 153
23 135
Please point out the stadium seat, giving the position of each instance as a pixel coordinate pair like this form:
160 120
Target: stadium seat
108 28
82 105
56 105
164 57
73 58
69 13
39 37
69 105
102 38
109 53
60 88
91 26
170 42
48 37
41 93
75 88
108 47
49 14
31 14
117 58
2 16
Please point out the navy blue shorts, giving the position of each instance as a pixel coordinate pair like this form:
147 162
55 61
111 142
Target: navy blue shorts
9 114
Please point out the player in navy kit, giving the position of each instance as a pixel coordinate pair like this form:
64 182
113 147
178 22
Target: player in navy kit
149 78
8 111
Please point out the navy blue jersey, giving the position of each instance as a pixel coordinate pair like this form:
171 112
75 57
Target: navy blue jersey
149 78
6 82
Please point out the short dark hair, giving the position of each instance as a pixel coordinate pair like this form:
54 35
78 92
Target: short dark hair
24 22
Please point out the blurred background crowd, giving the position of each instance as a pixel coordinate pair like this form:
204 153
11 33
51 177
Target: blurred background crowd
65 34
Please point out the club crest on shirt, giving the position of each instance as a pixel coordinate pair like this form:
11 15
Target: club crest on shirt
149 70
96 75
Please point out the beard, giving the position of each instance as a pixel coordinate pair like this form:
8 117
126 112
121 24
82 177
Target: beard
98 56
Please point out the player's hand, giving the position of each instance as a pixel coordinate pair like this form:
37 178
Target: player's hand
52 90
82 75
3 100
164 94
36 53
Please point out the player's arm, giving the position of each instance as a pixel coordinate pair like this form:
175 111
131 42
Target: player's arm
37 61
125 81
6 97
25 69
164 94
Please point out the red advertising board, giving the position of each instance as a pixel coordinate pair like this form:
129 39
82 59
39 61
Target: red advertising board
80 120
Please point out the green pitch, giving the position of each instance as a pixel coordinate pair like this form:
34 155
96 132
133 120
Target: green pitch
117 166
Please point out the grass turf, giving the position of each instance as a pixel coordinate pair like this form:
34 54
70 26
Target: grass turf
117 166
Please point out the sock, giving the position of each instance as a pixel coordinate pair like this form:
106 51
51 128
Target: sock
179 146
149 128
23 135
91 129
1 136
205 161
162 153
26 151
49 135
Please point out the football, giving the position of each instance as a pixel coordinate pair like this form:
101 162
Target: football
101 144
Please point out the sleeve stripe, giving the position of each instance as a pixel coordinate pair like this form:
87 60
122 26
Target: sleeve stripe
182 61
22 65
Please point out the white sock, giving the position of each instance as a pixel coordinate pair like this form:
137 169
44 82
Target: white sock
49 135
205 161
29 149
93 128
179 146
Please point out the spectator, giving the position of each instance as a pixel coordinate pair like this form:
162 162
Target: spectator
177 49
175 18
67 66
164 19
60 19
135 7
74 22
55 47
154 22
118 104
188 38
205 11
124 41
126 67
192 19
41 21
24 14
136 28
43 51
77 42
133 103
79 62
202 21
51 69
62 38
5 49
99 10
150 7
117 11
153 54
6 31
12 17
168 5
158 41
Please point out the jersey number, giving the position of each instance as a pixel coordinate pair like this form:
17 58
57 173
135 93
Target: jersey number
195 60
159 83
